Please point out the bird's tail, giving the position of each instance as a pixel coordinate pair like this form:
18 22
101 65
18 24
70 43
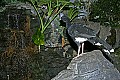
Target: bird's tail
100 42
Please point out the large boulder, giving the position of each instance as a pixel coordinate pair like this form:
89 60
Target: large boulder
90 66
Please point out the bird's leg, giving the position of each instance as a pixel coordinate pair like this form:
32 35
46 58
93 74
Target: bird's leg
78 53
78 50
82 48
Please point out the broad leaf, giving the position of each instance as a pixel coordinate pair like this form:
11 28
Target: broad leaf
38 38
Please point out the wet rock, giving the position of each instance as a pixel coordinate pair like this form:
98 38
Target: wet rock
90 66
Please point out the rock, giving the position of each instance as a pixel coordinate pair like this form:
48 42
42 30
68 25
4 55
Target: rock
104 32
94 26
117 44
111 39
90 66
111 35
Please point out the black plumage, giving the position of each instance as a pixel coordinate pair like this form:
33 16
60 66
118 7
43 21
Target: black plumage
81 33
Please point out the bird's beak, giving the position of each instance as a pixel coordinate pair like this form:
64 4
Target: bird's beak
61 15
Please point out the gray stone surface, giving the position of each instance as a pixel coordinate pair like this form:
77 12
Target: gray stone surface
95 26
90 66
104 32
117 44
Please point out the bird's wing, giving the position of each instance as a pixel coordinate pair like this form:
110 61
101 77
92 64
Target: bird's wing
78 30
96 40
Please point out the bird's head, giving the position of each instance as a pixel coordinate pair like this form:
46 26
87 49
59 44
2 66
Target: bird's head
66 20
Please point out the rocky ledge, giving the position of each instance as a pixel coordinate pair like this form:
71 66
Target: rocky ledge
90 66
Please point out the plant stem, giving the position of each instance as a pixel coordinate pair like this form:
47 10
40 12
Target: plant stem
41 22
53 18
39 48
8 78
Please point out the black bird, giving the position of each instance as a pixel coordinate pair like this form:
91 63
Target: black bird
81 33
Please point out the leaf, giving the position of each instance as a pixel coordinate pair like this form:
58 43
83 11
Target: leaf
38 38
49 22
72 13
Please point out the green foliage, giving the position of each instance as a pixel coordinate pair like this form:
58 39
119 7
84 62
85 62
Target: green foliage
72 13
54 2
52 13
38 37
54 7
108 12
74 9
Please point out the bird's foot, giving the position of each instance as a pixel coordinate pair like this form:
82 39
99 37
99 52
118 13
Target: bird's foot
77 56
